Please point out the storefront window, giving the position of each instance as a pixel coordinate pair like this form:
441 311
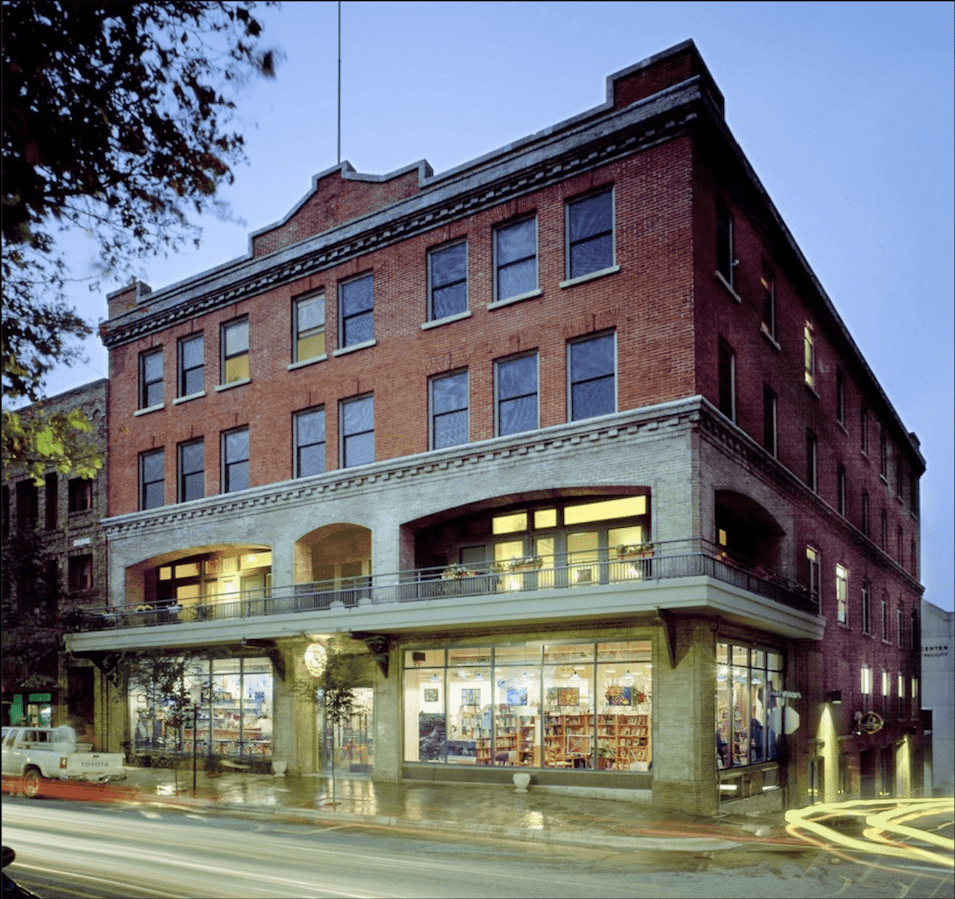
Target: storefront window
571 705
748 716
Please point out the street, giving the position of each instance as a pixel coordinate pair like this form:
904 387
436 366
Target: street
78 849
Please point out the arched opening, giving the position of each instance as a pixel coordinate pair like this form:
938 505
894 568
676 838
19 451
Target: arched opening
335 558
746 533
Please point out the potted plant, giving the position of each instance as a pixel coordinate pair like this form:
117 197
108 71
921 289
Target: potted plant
634 550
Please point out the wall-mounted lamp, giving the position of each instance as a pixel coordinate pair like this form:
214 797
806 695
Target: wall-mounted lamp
834 696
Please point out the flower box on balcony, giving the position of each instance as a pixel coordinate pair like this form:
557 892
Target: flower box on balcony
635 551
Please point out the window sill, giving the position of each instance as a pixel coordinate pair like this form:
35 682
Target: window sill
190 396
582 279
728 286
231 384
842 427
765 332
811 389
292 366
497 304
149 409
436 323
345 350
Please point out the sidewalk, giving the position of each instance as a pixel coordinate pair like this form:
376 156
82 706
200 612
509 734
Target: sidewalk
548 814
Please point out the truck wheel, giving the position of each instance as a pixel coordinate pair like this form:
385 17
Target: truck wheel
31 783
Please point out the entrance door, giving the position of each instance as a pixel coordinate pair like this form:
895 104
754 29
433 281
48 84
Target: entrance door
353 741
867 773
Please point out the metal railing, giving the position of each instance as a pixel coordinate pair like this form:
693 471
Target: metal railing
570 571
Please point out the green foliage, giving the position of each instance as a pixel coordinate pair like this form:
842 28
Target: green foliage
160 677
334 690
117 123
38 439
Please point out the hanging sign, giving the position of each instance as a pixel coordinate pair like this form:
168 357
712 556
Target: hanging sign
869 722
315 659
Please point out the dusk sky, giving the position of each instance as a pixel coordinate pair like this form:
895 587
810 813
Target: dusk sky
844 110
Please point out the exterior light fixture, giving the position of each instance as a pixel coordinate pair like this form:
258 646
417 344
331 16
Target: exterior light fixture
834 696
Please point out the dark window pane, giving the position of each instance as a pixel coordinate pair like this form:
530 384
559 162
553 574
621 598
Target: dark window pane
359 450
192 486
358 416
449 300
591 255
450 393
517 377
311 460
591 216
518 415
237 477
153 495
192 456
450 429
152 394
237 338
516 242
152 367
192 352
592 358
152 467
237 446
358 329
357 296
593 398
449 266
521 277
311 428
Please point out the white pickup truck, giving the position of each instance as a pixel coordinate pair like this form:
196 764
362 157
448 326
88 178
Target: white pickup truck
35 753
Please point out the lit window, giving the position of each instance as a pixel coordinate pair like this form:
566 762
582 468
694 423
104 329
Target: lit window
516 395
768 283
512 523
809 355
358 431
866 681
812 573
235 351
515 259
191 365
589 234
309 442
150 379
235 460
151 480
449 409
309 327
357 305
592 367
191 470
447 281
842 594
726 362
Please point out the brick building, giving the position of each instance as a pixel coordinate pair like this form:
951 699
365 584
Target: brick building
61 519
572 444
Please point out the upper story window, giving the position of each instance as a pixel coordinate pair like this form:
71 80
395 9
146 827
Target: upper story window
812 446
28 505
515 259
357 311
589 234
866 681
768 284
79 572
358 431
235 351
864 429
812 573
192 470
864 516
448 398
866 607
840 397
80 494
841 490
883 455
809 355
152 483
235 460
51 488
726 261
516 394
915 640
842 594
726 362
308 325
769 420
448 281
593 383
885 619
309 442
884 531
900 626
192 367
150 379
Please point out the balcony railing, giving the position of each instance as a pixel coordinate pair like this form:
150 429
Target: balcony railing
568 571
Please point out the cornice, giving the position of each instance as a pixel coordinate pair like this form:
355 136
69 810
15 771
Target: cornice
528 168
647 423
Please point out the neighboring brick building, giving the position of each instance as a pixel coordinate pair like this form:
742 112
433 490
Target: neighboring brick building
570 437
62 518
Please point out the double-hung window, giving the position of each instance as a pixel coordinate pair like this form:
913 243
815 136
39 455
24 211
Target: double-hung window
768 283
865 681
191 365
235 460
357 308
589 234
812 446
192 470
842 594
449 409
152 482
841 490
866 607
447 281
358 431
516 394
812 573
308 324
726 363
150 379
809 355
864 514
515 259
725 249
769 420
235 351
79 495
840 397
309 442
593 376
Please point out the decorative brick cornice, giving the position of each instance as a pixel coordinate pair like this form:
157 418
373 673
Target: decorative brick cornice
650 422
585 147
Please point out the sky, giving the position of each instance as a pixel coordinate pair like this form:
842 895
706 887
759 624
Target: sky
844 110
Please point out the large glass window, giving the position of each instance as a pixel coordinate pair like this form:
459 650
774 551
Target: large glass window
356 299
308 325
191 365
726 363
748 715
842 594
235 460
809 355
562 705
449 409
515 259
152 484
589 234
235 351
358 431
516 394
309 442
191 470
150 379
592 367
447 281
